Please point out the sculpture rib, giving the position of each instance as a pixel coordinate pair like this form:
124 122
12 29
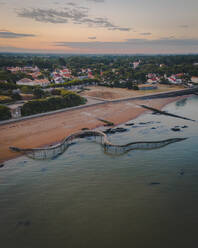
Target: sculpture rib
56 150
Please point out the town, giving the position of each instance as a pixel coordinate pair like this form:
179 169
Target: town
29 81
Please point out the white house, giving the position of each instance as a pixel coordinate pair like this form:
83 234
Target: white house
29 82
24 81
58 80
136 64
174 80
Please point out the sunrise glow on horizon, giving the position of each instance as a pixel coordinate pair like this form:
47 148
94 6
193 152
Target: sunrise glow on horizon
99 26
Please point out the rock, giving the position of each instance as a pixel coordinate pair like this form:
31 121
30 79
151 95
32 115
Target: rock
109 124
129 124
145 123
156 113
115 130
181 172
2 165
109 131
120 130
176 129
185 126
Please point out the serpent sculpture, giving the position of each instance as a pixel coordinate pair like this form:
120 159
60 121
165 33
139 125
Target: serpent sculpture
98 136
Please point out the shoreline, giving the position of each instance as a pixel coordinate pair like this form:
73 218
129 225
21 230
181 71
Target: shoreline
46 130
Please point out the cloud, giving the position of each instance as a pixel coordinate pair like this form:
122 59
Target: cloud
168 44
96 1
92 38
13 49
148 33
10 35
129 46
184 26
75 15
71 4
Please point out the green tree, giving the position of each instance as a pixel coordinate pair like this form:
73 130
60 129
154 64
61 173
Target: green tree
38 93
5 113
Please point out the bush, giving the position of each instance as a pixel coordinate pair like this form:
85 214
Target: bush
26 89
68 99
5 113
5 99
7 86
56 92
16 96
38 93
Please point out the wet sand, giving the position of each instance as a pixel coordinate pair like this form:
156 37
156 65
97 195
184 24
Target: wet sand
50 129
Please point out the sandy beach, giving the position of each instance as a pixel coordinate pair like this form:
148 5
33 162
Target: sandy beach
106 93
46 130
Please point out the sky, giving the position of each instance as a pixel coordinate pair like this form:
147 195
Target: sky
99 26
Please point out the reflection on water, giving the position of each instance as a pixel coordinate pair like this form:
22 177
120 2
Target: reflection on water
85 198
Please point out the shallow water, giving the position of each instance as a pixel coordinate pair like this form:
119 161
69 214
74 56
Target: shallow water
85 198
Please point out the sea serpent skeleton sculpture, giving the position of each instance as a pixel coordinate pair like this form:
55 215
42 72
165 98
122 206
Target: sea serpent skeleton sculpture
98 136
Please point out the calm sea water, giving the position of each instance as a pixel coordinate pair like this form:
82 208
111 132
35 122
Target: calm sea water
86 198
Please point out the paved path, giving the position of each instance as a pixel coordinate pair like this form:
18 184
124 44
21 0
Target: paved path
94 102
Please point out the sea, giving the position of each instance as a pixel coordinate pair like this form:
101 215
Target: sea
86 198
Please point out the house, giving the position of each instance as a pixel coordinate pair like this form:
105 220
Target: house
58 80
174 80
30 69
29 82
153 80
82 77
90 75
15 110
14 69
24 81
41 82
136 64
151 75
66 73
179 75
35 74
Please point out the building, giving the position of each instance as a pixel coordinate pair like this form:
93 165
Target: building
147 87
23 69
15 110
29 82
82 77
58 80
90 75
174 80
24 81
41 82
136 64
